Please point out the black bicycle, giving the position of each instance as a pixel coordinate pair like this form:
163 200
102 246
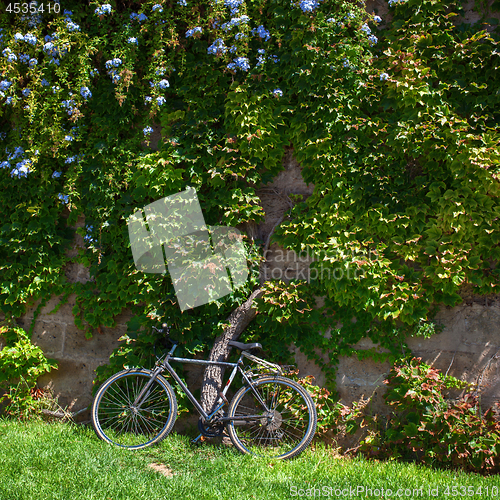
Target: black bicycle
270 416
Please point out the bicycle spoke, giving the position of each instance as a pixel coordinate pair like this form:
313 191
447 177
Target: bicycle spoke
285 427
118 421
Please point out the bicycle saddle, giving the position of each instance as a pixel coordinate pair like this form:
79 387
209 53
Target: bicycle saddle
244 347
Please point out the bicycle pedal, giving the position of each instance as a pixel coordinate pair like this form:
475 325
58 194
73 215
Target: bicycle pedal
197 440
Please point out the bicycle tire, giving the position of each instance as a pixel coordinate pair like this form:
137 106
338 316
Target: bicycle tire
282 433
117 422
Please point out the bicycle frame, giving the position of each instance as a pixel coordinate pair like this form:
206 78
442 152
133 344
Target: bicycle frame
161 366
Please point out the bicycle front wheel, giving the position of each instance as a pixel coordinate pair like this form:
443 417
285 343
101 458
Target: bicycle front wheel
282 428
121 420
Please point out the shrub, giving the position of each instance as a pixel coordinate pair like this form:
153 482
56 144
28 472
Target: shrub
21 363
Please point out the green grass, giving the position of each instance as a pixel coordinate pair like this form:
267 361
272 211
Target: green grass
61 461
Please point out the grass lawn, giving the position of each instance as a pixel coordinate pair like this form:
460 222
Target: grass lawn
41 461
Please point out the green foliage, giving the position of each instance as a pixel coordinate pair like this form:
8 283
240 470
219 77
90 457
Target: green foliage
400 139
21 363
333 416
428 427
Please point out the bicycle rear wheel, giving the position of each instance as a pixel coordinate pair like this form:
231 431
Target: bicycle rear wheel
116 419
283 429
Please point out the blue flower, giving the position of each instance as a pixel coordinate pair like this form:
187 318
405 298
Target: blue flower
85 93
377 19
239 63
48 38
67 13
56 174
4 84
5 164
69 105
94 72
277 92
45 82
26 92
22 169
366 29
217 47
54 61
233 49
18 152
103 9
383 77
147 99
68 138
234 5
236 21
29 38
163 84
308 5
274 59
8 100
24 58
261 51
147 130
158 7
11 57
63 197
18 37
139 17
372 39
133 39
33 62
160 101
113 63
182 3
192 31
240 35
49 47
160 71
88 237
55 88
72 26
261 32
70 159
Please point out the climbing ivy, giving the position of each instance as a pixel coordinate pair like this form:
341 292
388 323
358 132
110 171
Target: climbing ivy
394 121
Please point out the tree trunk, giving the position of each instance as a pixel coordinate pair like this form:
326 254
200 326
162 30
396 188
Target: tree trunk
239 319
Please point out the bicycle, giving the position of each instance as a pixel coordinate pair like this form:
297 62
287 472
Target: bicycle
270 416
